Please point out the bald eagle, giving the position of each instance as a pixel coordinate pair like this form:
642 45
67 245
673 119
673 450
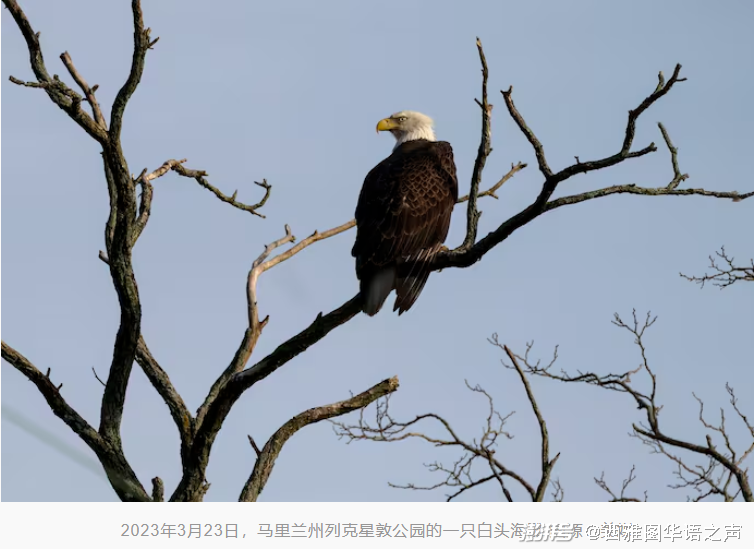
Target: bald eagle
403 213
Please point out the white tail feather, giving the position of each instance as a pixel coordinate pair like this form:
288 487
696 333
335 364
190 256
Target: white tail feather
378 287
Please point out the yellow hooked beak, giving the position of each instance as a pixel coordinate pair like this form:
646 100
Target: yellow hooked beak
386 124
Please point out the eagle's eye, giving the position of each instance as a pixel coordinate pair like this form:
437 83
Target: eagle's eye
402 119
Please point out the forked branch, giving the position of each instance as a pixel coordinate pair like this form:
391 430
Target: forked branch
725 271
464 474
121 476
733 481
485 148
464 257
621 496
268 455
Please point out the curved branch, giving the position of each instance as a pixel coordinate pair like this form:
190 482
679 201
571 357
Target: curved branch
268 455
145 204
119 472
142 43
122 220
252 333
161 382
127 220
602 483
462 257
121 231
232 390
60 94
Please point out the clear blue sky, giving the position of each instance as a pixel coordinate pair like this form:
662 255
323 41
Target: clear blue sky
291 92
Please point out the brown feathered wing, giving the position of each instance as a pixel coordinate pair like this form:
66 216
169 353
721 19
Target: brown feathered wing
403 213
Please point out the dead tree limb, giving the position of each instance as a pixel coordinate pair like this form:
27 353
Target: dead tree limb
119 472
266 457
462 475
733 480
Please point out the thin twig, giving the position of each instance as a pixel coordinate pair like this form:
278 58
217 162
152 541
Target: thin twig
725 275
97 377
200 175
539 150
88 92
491 192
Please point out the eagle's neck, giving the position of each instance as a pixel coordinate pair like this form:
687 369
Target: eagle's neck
423 132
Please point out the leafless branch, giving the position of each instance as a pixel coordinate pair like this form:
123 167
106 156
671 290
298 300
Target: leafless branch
257 451
120 474
142 43
222 397
726 273
88 92
145 204
465 257
160 380
602 483
60 94
200 175
128 217
269 454
460 477
158 489
492 190
97 377
539 151
485 148
124 213
122 216
678 177
547 464
698 477
558 494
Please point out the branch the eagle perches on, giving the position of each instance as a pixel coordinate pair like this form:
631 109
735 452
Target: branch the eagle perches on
129 216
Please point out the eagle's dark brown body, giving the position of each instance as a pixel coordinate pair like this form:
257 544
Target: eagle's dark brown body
403 213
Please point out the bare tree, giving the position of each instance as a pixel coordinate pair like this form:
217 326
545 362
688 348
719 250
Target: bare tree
129 215
723 470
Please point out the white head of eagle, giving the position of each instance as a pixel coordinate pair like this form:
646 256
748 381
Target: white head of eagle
403 213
